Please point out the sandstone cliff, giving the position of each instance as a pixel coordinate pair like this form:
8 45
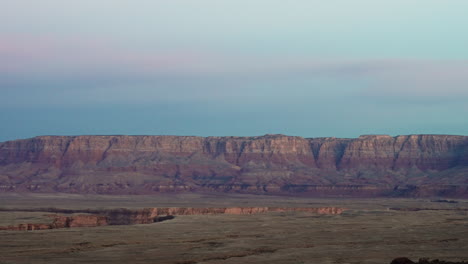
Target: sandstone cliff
123 216
61 221
414 165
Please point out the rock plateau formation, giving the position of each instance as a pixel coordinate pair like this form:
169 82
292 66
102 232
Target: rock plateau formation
122 216
374 165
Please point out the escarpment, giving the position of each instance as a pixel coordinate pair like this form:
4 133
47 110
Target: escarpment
62 221
123 216
373 165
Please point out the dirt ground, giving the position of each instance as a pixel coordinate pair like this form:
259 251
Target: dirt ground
368 232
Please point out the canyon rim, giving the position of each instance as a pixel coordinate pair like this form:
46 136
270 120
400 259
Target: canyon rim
368 166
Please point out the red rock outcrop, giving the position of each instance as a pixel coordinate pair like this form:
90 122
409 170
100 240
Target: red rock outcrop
61 221
374 165
78 221
241 210
25 227
150 215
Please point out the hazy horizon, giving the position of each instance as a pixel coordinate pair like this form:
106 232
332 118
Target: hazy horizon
246 136
233 68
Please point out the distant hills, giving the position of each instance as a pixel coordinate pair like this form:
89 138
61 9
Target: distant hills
368 166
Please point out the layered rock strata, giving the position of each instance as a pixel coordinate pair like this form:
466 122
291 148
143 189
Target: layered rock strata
95 218
374 165
61 221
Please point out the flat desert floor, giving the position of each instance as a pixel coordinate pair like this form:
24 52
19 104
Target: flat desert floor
368 232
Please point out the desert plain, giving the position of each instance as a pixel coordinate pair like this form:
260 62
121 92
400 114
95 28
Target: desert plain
368 231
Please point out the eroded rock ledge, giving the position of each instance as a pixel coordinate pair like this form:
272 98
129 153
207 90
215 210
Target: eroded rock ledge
368 166
92 218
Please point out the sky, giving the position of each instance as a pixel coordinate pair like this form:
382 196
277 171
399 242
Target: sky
307 68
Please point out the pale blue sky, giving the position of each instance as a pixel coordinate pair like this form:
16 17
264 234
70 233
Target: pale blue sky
215 67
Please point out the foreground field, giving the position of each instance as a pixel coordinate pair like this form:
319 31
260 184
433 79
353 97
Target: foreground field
368 232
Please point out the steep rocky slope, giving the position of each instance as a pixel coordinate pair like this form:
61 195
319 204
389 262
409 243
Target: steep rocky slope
414 165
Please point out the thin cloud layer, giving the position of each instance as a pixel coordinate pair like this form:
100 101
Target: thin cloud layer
98 71
210 67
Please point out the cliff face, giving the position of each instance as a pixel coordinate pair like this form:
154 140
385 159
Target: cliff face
150 215
366 166
61 221
78 221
